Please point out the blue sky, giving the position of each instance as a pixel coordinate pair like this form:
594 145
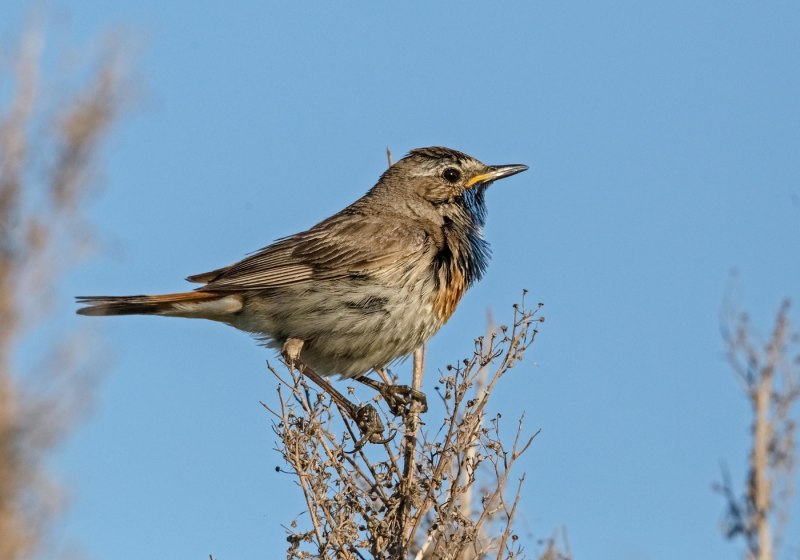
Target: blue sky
663 140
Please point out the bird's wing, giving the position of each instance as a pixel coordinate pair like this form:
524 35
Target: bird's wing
337 248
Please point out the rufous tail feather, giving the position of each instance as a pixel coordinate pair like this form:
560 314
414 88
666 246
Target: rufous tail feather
187 304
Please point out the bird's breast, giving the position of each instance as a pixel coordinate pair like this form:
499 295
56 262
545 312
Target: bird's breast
451 275
449 292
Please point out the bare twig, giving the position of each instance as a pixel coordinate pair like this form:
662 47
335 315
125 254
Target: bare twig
501 550
770 373
367 504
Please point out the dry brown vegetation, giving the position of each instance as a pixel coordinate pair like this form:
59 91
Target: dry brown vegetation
49 141
769 371
438 485
443 489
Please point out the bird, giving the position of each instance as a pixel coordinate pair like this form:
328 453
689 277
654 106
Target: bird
363 288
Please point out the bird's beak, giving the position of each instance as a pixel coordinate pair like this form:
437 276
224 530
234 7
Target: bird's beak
494 172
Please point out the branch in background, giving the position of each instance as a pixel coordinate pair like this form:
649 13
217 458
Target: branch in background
770 375
47 164
553 551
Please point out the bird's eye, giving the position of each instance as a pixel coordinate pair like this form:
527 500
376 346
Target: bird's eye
451 175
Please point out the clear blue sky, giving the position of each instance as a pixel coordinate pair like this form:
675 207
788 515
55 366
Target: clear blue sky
663 140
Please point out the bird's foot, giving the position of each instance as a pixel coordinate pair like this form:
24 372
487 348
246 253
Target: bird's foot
291 351
370 425
399 398
366 418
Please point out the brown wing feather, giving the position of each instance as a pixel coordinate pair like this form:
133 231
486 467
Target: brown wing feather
336 248
206 277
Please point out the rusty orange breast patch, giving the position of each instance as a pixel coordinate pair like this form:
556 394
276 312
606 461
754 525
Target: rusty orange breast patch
446 298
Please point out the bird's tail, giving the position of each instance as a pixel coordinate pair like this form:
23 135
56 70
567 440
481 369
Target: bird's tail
206 305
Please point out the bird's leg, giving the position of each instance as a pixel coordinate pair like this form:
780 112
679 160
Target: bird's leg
398 397
365 416
291 351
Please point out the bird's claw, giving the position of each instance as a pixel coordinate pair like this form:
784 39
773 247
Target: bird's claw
400 398
370 425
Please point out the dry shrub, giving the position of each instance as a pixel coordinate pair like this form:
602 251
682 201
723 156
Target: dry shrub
769 371
442 490
49 142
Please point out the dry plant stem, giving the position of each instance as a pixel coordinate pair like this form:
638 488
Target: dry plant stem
457 438
49 141
410 443
552 552
480 390
770 373
370 503
760 483
300 390
412 427
305 480
502 475
410 438
301 475
507 532
467 434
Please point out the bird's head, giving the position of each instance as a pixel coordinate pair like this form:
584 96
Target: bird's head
446 179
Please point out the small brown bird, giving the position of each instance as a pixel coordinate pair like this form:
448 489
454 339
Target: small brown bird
362 288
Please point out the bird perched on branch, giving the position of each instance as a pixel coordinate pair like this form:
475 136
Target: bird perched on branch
362 288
